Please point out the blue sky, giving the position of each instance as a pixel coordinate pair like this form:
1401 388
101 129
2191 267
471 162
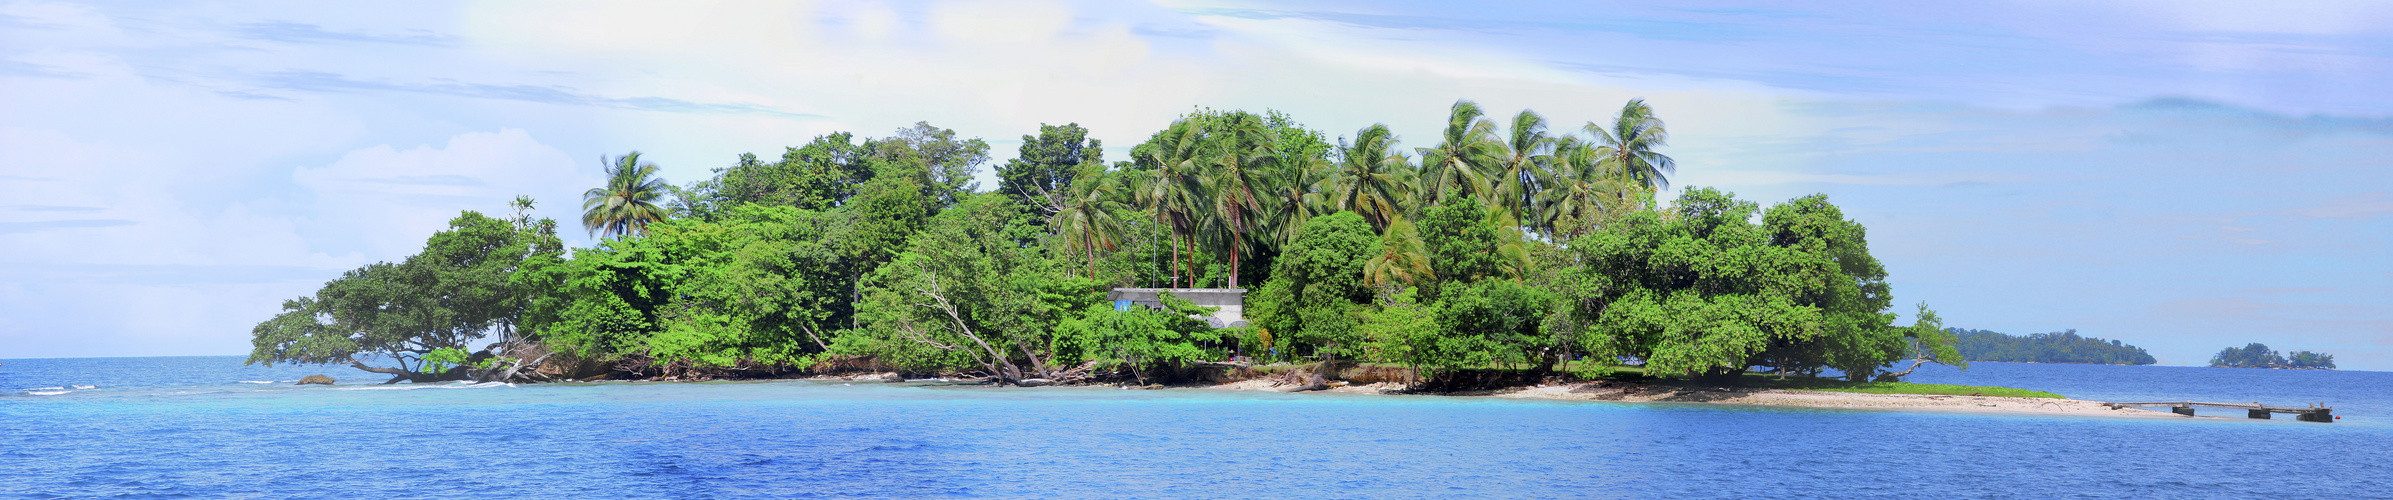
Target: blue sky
2181 175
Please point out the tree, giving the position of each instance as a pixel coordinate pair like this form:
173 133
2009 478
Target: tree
2310 360
969 293
1137 338
1493 323
948 163
1373 178
1582 189
1047 163
1517 180
1459 166
1706 292
819 176
1084 216
1315 284
1401 260
2254 355
1629 143
1172 186
1462 246
421 314
626 205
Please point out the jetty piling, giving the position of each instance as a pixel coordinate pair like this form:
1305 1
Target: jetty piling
2316 412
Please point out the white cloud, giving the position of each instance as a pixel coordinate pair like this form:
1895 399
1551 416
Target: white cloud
388 200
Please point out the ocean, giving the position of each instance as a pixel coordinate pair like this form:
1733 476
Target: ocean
208 427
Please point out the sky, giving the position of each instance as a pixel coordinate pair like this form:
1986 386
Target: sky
2182 175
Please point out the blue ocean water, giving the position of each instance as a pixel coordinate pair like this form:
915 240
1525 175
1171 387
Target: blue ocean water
191 427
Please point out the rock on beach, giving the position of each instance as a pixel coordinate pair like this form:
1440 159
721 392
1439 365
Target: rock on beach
314 379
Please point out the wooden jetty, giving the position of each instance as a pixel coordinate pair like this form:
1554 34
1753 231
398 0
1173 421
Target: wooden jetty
2316 412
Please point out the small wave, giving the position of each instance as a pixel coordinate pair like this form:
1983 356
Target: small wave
255 381
31 389
86 387
47 393
457 385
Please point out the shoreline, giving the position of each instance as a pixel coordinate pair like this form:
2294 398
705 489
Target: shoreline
1626 392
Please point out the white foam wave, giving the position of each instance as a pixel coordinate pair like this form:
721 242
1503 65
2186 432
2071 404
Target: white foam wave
31 389
86 387
47 393
255 381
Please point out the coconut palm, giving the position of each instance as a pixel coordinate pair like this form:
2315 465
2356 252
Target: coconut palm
1084 216
1246 153
1458 167
1524 168
1402 257
1373 178
1581 188
1175 189
1629 142
627 204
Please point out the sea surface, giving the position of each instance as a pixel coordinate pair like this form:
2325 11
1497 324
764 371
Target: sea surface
209 427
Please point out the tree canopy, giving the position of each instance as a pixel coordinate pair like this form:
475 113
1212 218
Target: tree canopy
1503 242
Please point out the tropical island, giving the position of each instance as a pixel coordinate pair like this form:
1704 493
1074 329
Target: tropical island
1503 254
2052 347
2257 355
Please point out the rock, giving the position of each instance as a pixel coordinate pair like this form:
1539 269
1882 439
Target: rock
1313 383
892 377
1033 382
1153 386
315 379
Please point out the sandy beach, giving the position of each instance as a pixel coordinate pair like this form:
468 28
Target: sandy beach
1645 393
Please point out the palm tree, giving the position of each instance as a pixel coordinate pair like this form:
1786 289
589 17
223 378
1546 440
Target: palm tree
1084 217
1524 169
1402 258
1458 167
627 204
1581 189
1630 141
1373 178
1246 151
1175 189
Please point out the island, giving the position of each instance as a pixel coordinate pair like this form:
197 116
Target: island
2257 355
1500 254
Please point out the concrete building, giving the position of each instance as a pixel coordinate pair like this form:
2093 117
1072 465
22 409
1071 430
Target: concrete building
1232 301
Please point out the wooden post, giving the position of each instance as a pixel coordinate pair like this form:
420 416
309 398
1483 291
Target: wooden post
2259 414
2321 415
2182 410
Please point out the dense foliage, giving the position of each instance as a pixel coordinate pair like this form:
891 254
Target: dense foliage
2053 347
2256 355
422 313
1501 246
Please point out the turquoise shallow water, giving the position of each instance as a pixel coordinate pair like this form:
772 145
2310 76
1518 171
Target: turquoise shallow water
188 427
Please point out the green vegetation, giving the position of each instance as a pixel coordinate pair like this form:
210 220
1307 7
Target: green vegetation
2257 355
2055 347
1502 247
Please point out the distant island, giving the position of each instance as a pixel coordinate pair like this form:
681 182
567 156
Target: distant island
2054 347
2257 355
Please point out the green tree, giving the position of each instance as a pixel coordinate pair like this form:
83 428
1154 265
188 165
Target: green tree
1373 178
422 313
1705 291
1462 246
1039 173
1493 323
1315 284
1085 219
627 204
1515 182
1459 167
1401 260
969 292
1630 141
